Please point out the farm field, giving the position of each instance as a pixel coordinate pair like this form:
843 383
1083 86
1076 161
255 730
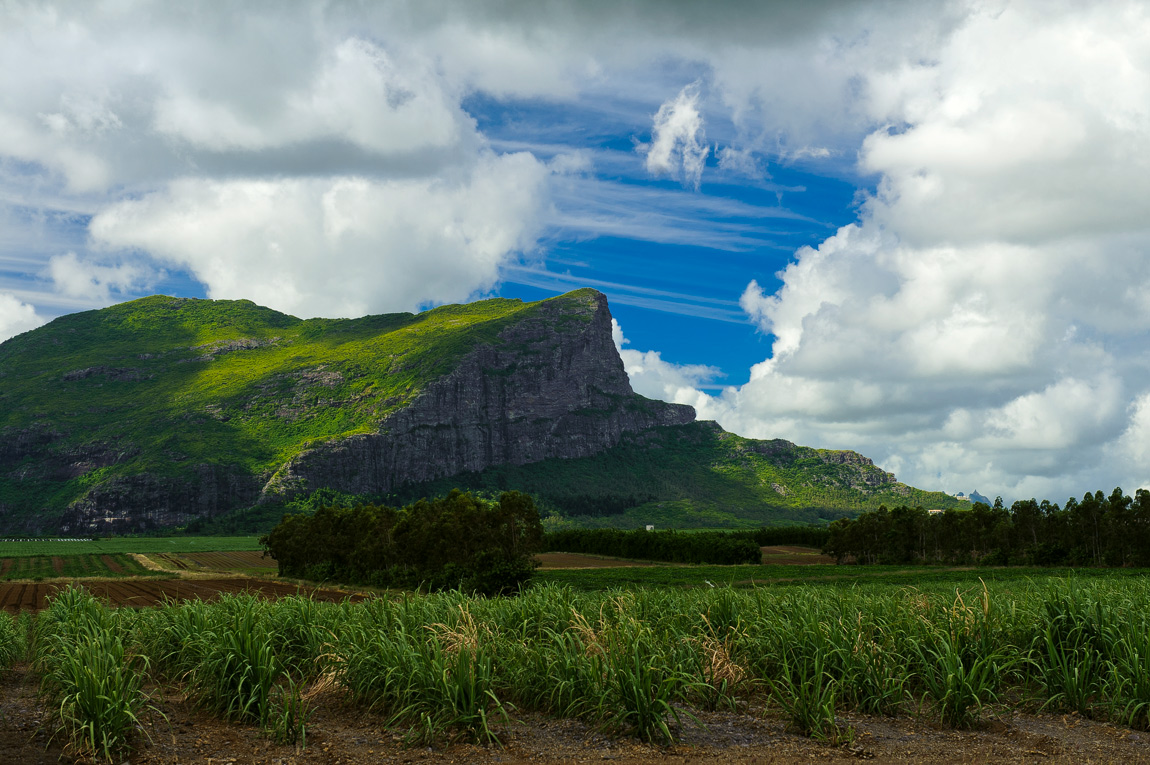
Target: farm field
250 562
1017 670
752 577
72 566
551 560
794 555
19 548
34 596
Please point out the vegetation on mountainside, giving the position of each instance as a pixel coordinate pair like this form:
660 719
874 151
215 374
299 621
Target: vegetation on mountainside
161 385
694 476
178 388
1096 531
457 541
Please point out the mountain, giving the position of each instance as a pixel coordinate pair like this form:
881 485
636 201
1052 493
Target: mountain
976 497
164 411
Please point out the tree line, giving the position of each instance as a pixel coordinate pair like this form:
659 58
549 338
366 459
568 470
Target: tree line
713 547
1097 530
710 547
459 540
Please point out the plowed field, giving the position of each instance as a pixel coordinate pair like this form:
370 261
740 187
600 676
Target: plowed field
32 596
238 560
578 560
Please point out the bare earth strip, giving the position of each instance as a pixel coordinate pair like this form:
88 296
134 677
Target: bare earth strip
578 560
792 555
237 560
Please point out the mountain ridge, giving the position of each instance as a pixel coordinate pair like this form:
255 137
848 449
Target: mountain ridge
162 411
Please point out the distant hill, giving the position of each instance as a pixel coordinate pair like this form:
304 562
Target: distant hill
163 411
699 475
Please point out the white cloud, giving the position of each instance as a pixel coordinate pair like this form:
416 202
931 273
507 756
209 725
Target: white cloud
653 377
678 144
341 246
740 161
16 317
358 93
985 323
810 152
88 280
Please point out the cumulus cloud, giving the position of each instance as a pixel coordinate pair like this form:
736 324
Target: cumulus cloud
985 322
653 377
16 316
982 324
341 246
77 278
678 145
358 93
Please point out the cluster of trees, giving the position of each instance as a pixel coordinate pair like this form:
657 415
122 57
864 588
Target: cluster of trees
459 540
714 547
809 536
1094 531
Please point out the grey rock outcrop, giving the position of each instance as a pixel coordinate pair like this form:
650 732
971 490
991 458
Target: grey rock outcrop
142 503
553 386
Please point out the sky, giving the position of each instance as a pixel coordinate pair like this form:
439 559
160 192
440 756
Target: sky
919 230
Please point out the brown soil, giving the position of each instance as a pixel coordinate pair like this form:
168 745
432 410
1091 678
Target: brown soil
343 734
578 560
111 564
15 596
231 561
58 565
793 555
5 565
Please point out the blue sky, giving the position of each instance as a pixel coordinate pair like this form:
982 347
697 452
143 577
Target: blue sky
914 229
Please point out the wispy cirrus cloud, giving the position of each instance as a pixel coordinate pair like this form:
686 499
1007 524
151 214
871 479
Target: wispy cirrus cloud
668 301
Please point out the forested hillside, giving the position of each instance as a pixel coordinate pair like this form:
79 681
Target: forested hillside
698 475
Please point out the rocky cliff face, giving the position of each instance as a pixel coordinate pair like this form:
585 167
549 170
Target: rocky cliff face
143 503
553 386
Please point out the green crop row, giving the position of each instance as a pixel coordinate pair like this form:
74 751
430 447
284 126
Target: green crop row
72 566
640 663
23 548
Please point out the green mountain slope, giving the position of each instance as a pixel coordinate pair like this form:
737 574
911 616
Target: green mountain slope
164 386
165 411
694 476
